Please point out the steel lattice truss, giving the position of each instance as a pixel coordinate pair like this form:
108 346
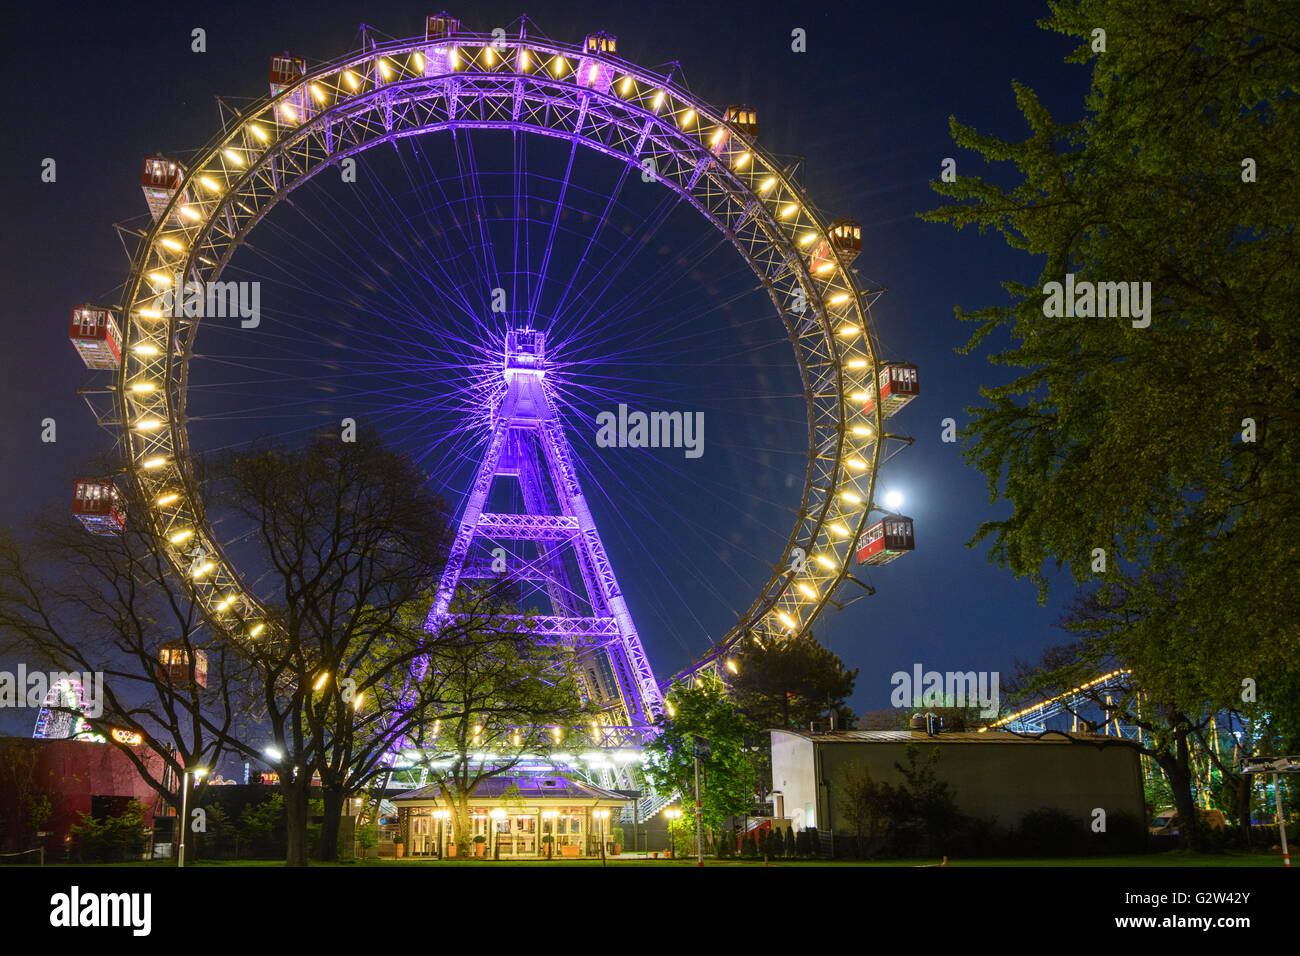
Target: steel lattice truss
527 527
414 87
590 616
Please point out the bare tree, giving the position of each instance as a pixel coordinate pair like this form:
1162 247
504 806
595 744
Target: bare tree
107 605
342 537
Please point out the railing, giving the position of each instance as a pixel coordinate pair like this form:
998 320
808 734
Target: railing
647 807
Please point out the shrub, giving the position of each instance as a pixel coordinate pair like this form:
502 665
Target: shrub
1051 831
112 839
789 840
257 827
1125 833
368 836
802 844
219 842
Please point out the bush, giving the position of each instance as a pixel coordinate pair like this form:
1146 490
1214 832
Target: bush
814 842
368 837
802 845
1125 833
1051 831
974 837
219 840
113 839
789 840
258 827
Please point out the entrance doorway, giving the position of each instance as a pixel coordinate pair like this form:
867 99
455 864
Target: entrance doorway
517 835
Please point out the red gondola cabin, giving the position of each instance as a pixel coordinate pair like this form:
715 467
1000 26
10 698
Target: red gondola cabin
286 70
898 386
98 505
174 664
440 25
159 180
886 540
845 244
98 340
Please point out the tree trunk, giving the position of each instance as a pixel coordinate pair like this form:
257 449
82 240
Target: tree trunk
464 829
1243 808
329 831
1177 769
295 811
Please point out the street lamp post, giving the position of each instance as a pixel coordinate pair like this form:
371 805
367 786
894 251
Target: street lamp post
702 749
185 809
673 816
1275 765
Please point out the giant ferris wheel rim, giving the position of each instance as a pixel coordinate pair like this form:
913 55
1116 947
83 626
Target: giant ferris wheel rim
268 151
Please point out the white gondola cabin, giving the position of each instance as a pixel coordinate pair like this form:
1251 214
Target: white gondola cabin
98 505
887 539
95 333
160 179
897 384
174 664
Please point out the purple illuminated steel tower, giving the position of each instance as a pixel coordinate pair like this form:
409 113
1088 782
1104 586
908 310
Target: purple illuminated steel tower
551 545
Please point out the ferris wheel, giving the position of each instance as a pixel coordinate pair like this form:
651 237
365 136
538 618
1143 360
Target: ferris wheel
584 100
62 713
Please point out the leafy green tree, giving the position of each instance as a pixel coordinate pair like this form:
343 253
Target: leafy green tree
1111 436
702 709
790 684
923 806
863 804
491 688
1130 625
1155 454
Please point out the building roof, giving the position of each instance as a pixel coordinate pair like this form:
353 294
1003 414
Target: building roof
537 787
950 737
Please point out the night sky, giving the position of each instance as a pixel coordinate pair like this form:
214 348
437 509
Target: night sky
867 106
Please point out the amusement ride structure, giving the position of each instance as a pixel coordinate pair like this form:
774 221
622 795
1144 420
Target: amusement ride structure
446 81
